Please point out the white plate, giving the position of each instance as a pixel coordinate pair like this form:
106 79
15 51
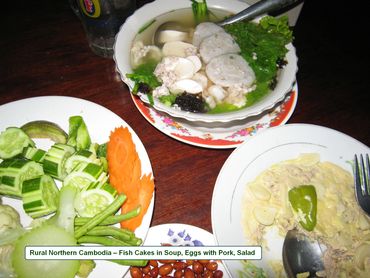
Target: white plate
180 235
229 135
100 122
255 155
149 11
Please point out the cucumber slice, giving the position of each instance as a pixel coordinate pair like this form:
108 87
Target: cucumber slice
78 157
12 142
34 154
84 174
78 135
55 158
45 129
13 172
40 196
94 199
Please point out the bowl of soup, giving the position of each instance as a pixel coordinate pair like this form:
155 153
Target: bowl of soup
193 69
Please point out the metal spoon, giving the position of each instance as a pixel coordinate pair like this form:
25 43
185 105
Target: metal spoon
258 8
300 254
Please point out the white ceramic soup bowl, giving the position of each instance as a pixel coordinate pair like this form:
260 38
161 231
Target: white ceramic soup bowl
146 14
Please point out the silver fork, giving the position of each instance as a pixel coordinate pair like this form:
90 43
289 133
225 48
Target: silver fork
362 186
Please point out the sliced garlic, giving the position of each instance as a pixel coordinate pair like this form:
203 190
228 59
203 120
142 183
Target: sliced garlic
260 192
178 48
186 85
265 215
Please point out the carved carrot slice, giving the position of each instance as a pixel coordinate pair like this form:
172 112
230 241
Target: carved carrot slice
125 175
145 193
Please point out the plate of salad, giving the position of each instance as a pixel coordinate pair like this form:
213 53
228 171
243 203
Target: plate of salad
182 63
68 177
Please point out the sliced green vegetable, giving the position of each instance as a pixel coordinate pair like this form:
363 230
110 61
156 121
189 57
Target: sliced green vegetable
303 200
49 235
86 267
45 129
94 199
84 174
78 157
13 172
97 219
102 150
200 11
12 142
56 231
40 196
34 154
55 159
78 135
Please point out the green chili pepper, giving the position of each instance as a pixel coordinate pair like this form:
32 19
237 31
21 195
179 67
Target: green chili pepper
303 200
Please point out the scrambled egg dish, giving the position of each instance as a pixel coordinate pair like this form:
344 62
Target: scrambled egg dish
341 225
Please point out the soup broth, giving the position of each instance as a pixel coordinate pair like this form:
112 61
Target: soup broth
184 17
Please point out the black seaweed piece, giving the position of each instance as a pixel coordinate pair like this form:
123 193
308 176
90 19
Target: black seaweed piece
281 63
144 88
190 102
273 83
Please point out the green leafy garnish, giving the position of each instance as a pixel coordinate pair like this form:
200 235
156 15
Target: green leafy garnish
168 100
144 74
262 46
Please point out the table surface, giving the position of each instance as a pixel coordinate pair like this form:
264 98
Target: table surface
44 52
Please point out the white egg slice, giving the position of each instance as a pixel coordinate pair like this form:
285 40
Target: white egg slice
204 30
171 36
217 92
229 69
217 44
196 61
184 68
186 85
178 48
201 79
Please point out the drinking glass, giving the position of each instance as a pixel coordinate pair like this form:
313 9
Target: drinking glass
101 20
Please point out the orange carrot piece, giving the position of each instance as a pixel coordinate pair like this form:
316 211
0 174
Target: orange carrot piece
145 193
122 160
125 175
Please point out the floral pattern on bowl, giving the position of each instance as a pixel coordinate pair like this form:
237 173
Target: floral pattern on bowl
181 238
230 136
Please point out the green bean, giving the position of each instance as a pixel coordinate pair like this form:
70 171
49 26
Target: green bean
102 240
112 219
111 231
97 219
